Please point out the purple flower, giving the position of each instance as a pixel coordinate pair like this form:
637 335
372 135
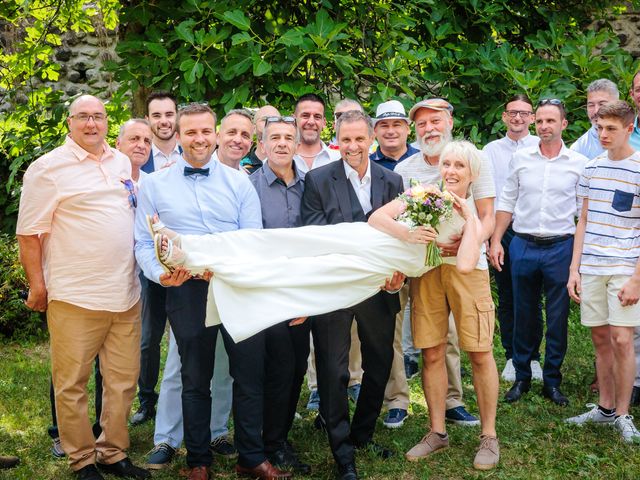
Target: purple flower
427 202
438 203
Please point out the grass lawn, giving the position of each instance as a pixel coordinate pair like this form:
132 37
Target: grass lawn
535 444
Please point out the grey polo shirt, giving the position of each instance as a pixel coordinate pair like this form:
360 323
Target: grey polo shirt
280 203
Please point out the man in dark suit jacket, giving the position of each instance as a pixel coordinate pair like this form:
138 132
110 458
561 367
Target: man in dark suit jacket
348 190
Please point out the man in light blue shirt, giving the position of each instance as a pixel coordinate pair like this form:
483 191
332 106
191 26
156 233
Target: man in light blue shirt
194 196
599 93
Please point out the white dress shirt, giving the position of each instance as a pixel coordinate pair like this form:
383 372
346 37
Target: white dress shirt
541 192
160 160
499 154
324 156
362 186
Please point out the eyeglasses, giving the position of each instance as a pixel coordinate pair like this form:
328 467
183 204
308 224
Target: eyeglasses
84 117
515 113
550 101
133 200
275 119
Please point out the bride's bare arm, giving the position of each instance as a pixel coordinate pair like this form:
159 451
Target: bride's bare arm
384 219
472 238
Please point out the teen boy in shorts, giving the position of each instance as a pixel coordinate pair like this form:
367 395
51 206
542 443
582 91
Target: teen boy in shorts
605 273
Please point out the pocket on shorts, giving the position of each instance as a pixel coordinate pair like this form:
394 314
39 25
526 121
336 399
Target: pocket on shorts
622 201
486 321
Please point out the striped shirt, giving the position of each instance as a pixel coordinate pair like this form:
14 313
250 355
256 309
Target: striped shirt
612 236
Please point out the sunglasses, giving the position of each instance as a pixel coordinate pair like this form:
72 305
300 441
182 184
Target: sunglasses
550 101
337 115
276 119
133 200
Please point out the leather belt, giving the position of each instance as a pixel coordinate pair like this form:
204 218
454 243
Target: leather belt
543 240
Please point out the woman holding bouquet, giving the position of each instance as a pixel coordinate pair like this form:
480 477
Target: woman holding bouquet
460 284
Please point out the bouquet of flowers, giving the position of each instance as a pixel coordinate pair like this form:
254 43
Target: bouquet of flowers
427 205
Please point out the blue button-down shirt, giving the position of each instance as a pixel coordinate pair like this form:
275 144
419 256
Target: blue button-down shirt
196 204
588 144
388 162
634 139
280 202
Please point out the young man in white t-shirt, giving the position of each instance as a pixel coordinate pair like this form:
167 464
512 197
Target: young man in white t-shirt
605 273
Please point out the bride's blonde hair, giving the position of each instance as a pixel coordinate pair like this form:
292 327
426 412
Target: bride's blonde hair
468 151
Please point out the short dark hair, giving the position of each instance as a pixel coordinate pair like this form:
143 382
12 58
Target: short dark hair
519 97
353 116
194 109
310 97
553 102
161 95
620 110
633 81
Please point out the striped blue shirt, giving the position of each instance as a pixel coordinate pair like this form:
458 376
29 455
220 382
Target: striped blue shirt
612 236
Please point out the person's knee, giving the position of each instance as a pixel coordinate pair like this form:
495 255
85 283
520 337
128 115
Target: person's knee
434 355
622 340
481 359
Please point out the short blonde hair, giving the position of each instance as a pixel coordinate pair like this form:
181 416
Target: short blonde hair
466 150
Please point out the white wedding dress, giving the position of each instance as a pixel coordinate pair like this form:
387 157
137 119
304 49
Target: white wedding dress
263 277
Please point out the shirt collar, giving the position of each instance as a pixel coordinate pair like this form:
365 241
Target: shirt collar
211 164
348 171
517 142
271 177
156 151
564 152
81 154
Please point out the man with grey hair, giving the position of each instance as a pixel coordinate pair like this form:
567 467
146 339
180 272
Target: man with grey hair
348 191
599 93
134 140
234 138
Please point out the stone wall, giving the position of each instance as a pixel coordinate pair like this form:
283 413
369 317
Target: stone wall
627 26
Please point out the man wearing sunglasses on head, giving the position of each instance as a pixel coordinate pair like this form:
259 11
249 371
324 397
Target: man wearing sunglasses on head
71 196
540 195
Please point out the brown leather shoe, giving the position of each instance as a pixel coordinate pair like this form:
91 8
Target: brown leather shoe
199 473
264 471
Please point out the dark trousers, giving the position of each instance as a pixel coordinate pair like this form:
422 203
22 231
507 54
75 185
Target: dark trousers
536 269
154 319
332 341
505 302
186 309
97 429
267 369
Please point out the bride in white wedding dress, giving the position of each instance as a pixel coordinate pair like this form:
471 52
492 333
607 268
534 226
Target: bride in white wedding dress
298 272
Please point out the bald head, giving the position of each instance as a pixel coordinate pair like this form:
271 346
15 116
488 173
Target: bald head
261 114
88 123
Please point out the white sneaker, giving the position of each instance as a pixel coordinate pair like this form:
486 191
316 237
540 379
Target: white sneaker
536 370
509 372
594 415
628 431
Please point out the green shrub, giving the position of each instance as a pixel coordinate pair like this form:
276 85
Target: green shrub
16 320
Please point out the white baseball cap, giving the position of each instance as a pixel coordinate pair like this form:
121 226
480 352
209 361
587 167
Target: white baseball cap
390 110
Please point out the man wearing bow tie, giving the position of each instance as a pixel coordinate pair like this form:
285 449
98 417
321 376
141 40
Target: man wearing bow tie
194 196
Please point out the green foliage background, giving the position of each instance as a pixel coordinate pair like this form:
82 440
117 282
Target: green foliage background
249 53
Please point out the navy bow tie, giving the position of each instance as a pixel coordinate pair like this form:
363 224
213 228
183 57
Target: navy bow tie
194 171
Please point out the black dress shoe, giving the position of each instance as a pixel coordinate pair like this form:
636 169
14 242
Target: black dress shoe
376 449
347 472
89 472
555 395
286 459
519 388
124 469
635 397
143 415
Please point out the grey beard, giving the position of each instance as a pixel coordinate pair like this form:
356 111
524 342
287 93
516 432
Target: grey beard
435 149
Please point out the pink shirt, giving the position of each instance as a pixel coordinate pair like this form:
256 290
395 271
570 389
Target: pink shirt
81 210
